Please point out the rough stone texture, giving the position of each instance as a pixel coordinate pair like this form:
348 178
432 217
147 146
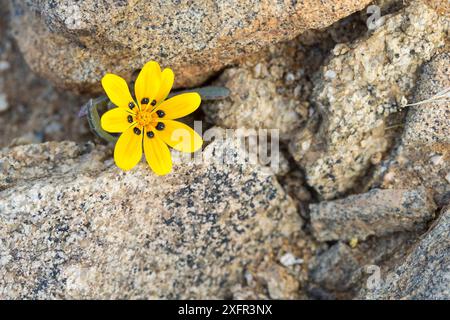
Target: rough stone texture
361 85
423 156
271 89
38 161
425 272
244 141
442 7
429 123
73 43
378 212
255 101
72 225
336 268
32 110
267 91
340 271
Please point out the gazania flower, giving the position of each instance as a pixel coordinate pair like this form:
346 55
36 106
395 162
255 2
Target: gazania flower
147 124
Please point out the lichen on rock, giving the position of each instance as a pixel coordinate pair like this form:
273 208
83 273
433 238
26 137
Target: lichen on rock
349 199
73 226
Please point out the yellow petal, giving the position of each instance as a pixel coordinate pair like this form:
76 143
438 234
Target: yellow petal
116 89
180 105
158 155
167 78
128 150
180 136
148 82
116 120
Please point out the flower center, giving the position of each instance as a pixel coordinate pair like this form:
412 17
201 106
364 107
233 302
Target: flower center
145 118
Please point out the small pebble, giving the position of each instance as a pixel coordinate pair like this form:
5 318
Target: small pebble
437 160
3 102
330 74
4 65
289 259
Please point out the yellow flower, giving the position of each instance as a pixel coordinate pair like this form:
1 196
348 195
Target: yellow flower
148 126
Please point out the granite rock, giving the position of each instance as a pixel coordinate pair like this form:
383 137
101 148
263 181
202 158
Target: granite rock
271 89
377 212
336 269
442 7
31 109
423 155
37 161
429 123
354 94
425 272
74 43
267 90
343 269
72 225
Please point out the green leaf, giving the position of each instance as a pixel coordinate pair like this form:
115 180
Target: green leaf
94 118
207 93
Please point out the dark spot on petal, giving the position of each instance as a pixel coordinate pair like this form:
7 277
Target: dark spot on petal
130 119
137 131
160 126
150 134
145 101
160 113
